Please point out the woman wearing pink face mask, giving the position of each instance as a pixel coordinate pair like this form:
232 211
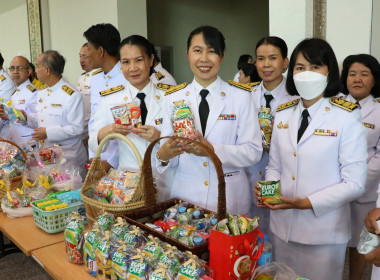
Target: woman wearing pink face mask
318 152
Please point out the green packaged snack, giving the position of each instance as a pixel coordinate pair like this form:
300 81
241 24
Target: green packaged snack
153 248
160 273
90 245
233 225
103 256
134 237
253 224
270 192
222 227
119 229
243 224
120 261
139 267
170 259
105 221
74 239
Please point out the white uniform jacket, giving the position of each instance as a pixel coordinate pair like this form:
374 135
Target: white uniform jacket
256 172
7 87
233 130
101 82
161 75
24 98
370 110
328 169
60 109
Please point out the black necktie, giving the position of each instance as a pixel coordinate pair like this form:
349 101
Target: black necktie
357 103
144 110
268 99
304 124
203 110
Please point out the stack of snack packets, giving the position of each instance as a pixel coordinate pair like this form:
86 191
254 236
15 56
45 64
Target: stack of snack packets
183 120
237 225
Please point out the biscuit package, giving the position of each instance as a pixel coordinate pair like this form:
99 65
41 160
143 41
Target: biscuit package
270 192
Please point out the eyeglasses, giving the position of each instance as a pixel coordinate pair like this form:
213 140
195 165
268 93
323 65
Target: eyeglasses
19 68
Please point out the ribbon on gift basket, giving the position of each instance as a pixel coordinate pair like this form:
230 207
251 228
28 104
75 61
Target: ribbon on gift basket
161 269
25 183
6 187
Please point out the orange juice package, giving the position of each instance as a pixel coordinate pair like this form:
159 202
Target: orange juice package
270 192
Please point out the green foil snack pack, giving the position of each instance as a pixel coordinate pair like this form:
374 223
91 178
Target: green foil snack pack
270 192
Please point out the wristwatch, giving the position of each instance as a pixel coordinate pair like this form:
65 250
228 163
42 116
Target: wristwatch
163 162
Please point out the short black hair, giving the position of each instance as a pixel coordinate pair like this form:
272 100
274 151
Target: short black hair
142 43
212 36
368 61
105 35
274 41
318 52
243 59
54 61
251 71
1 60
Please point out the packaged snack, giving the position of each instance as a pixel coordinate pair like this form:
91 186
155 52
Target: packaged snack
161 273
233 224
243 224
270 192
223 227
74 239
134 237
266 121
119 230
253 224
368 241
103 257
136 116
171 213
183 120
105 221
89 248
120 263
104 188
191 269
170 258
153 248
139 267
122 114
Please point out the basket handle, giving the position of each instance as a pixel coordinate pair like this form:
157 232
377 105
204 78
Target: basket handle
121 137
17 146
149 191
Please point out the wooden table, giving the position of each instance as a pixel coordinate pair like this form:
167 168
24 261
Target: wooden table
53 260
26 235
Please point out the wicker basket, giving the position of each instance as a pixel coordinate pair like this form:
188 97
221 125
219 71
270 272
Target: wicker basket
154 212
96 172
16 182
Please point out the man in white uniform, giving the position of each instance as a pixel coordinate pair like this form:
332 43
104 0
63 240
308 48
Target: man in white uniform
59 111
23 98
160 74
7 87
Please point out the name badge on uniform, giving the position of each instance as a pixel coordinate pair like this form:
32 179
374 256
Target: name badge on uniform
21 101
369 125
325 132
227 117
158 121
56 105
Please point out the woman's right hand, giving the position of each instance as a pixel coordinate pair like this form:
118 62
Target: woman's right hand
113 128
170 149
370 220
258 196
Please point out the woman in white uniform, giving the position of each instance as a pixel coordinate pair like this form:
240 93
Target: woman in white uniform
361 83
318 152
136 57
229 126
271 62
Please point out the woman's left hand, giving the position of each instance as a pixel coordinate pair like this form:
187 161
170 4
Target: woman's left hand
195 150
148 132
290 203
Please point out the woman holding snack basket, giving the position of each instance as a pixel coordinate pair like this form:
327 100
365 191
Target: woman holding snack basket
222 117
318 152
119 105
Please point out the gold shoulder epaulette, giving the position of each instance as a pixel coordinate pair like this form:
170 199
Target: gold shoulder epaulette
163 86
159 75
31 88
97 71
344 104
287 105
246 87
43 86
68 90
175 88
111 90
253 84
2 78
378 100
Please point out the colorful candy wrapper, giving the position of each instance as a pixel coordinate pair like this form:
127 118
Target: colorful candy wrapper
270 192
103 257
89 248
74 239
183 120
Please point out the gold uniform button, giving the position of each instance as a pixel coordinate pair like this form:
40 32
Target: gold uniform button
45 107
295 154
126 98
42 120
293 178
205 164
187 93
48 94
206 183
106 84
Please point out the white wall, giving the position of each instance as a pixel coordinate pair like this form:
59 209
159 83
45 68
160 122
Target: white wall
349 27
132 18
242 23
14 30
375 42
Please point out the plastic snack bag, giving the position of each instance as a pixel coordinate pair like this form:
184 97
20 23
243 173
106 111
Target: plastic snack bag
103 257
139 267
89 247
266 121
183 120
74 239
270 192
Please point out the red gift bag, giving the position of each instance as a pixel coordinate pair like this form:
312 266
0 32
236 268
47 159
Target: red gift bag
234 257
